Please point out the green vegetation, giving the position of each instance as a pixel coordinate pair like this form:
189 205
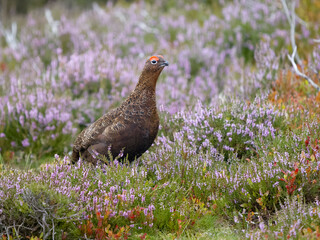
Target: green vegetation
238 150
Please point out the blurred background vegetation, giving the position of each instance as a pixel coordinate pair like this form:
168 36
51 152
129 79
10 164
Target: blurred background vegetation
11 8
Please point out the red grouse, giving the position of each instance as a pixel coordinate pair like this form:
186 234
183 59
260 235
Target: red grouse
131 128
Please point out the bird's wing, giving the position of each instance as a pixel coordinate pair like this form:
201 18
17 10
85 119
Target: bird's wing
124 125
117 126
90 133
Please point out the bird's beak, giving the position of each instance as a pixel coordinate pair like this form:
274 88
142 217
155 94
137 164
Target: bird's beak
165 63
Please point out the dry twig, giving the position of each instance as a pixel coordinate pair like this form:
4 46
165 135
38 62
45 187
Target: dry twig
296 69
291 16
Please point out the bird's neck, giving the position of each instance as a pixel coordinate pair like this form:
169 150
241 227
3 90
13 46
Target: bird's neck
148 81
145 92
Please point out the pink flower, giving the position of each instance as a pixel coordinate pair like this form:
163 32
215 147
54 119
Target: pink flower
25 142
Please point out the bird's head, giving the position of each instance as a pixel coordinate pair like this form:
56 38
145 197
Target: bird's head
151 71
155 64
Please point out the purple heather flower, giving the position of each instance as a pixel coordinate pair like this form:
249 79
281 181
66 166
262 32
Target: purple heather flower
151 207
262 226
25 142
21 120
145 211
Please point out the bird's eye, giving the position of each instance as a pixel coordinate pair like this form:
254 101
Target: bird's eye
153 61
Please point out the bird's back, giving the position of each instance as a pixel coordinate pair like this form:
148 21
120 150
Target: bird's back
132 127
88 135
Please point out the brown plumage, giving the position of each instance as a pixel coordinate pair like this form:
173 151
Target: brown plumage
131 128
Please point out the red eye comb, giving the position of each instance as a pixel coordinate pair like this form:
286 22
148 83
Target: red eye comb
154 58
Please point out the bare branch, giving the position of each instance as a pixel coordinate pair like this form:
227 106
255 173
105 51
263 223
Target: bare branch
291 58
286 10
293 30
302 22
16 230
53 232
291 16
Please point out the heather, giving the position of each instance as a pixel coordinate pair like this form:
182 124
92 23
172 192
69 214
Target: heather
237 154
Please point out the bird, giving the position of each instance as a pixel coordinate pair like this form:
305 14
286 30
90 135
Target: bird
129 130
